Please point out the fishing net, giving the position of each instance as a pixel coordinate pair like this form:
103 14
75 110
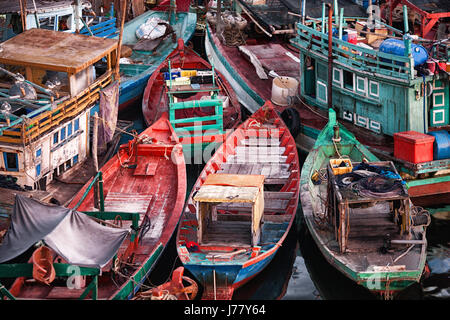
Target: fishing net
372 181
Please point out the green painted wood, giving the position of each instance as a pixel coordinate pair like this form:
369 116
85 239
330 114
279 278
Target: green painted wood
15 270
129 289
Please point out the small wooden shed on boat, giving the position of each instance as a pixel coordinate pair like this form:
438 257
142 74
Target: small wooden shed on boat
48 85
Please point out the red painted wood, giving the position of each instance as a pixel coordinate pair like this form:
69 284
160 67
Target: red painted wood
164 192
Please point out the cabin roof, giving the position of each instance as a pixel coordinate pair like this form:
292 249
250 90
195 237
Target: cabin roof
53 50
13 6
432 6
314 8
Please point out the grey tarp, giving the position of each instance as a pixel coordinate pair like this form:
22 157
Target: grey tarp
109 108
73 235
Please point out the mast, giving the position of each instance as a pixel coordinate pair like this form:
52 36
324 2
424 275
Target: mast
330 56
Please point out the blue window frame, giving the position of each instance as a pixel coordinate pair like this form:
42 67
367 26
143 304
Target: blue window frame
75 159
69 130
63 133
38 152
38 170
11 161
55 138
76 125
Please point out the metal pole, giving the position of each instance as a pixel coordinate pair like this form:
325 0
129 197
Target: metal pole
330 55
303 11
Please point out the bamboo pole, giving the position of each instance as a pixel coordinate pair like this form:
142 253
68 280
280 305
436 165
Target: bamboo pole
122 21
95 159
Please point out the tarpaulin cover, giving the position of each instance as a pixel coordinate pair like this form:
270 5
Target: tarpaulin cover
109 108
73 235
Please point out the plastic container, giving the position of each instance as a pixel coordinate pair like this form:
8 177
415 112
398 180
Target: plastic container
397 47
282 89
413 146
441 145
352 36
338 169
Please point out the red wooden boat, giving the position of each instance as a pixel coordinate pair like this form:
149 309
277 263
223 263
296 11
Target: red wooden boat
242 206
202 105
145 183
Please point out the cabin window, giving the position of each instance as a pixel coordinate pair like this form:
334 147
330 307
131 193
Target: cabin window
38 170
322 72
11 161
56 138
348 80
438 99
68 164
361 85
63 133
321 92
337 76
374 89
74 159
47 23
64 22
38 152
438 117
76 125
69 130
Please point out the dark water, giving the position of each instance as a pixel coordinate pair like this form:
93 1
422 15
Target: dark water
299 271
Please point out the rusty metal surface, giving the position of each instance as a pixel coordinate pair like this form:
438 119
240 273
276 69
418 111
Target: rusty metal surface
54 50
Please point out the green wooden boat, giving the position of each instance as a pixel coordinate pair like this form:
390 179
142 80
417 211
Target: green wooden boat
376 239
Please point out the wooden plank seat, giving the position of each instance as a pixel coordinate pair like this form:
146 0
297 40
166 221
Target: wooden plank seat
273 173
273 202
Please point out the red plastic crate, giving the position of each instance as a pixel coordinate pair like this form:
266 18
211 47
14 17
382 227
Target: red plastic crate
413 146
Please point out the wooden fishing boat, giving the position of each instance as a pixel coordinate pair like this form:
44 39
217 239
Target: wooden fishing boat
146 56
376 238
234 56
144 188
242 206
201 103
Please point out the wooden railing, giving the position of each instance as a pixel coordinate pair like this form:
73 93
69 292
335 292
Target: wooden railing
350 55
23 131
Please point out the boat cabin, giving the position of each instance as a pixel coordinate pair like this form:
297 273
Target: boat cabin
230 191
363 209
46 95
51 15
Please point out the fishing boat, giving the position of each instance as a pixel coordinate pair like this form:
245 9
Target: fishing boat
147 54
139 194
359 213
365 80
46 99
242 206
201 103
59 15
233 54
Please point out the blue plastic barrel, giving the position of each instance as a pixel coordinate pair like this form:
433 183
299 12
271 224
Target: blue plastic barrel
397 47
441 145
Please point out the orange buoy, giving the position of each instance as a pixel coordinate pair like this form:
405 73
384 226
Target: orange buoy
43 270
